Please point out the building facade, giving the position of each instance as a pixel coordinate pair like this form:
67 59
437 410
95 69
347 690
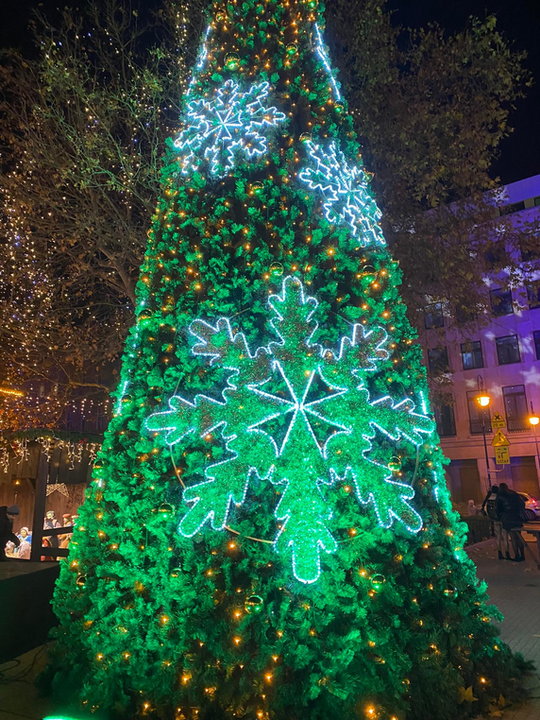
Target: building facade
499 354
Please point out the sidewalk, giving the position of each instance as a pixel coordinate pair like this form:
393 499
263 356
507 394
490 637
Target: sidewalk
513 587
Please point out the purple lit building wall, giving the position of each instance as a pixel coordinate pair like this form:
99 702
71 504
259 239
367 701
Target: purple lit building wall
499 352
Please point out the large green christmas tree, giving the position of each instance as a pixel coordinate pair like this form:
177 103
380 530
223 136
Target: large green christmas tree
268 534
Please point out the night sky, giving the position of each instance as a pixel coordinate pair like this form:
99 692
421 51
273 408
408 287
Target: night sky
519 21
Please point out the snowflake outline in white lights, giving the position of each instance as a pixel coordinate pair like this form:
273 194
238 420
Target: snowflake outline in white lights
300 416
344 188
230 127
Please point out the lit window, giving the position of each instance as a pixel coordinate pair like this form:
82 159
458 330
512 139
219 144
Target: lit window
471 355
507 349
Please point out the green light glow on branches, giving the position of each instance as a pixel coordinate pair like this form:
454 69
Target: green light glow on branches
299 415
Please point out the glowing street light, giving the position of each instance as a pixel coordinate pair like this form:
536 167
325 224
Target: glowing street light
483 400
533 422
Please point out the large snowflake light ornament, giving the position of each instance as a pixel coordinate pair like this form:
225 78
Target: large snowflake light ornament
233 125
345 192
298 415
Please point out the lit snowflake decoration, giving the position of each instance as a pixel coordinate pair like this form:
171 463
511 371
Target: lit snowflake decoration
345 191
231 126
300 416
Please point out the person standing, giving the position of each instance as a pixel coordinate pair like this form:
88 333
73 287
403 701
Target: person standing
24 549
510 508
489 508
7 515
50 523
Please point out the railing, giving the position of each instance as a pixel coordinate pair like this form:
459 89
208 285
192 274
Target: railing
39 550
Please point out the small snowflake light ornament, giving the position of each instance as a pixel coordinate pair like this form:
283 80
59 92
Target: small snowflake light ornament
232 126
298 415
345 192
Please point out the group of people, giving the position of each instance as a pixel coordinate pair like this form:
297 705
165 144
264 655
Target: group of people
506 510
18 545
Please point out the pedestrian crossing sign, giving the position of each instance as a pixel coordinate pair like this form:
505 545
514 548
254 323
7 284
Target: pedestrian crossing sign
499 439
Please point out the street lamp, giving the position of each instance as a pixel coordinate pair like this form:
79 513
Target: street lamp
533 422
483 400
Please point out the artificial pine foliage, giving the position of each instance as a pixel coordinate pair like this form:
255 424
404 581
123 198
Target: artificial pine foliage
268 534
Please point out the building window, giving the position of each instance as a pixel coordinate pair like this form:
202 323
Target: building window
433 316
471 355
464 314
515 407
536 336
445 419
501 302
507 349
476 414
512 208
438 360
529 247
496 255
533 295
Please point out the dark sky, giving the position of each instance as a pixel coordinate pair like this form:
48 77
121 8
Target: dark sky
518 20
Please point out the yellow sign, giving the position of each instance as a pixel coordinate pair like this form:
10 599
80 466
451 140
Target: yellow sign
497 421
499 439
502 456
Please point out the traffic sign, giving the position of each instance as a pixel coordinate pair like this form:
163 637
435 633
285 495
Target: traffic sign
502 455
497 421
499 439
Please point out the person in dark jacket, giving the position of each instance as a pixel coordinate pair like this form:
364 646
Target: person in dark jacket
7 515
510 509
489 508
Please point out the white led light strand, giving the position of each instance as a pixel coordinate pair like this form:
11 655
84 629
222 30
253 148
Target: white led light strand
230 127
300 416
345 191
321 52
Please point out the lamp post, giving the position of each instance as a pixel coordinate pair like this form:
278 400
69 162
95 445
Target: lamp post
533 422
483 400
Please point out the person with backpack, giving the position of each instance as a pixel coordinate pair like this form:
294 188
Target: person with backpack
510 507
489 508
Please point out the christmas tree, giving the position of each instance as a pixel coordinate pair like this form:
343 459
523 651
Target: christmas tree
268 534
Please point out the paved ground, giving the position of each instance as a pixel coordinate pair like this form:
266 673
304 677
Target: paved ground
513 587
